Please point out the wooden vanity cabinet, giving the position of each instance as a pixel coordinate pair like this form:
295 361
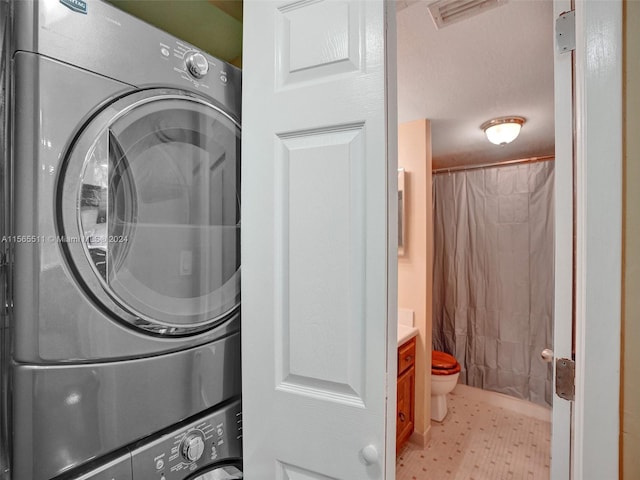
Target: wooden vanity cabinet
406 392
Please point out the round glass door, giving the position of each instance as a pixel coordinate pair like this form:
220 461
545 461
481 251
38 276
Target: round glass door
157 210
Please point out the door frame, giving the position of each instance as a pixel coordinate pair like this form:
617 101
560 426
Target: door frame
598 284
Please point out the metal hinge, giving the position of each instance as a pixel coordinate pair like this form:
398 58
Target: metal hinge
565 378
566 31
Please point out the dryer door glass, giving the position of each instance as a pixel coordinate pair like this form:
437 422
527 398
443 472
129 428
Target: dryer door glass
159 210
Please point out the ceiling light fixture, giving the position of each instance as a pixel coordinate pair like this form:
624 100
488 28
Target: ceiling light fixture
503 130
445 12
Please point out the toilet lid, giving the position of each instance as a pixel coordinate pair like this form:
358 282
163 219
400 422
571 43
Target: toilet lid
443 361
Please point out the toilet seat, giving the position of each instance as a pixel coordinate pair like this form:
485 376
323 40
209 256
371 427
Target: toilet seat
443 364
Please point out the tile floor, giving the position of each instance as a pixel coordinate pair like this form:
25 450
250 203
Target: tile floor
480 440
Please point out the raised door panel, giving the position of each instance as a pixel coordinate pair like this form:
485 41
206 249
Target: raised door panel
320 302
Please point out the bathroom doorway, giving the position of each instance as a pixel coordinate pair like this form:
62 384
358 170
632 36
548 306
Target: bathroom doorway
486 64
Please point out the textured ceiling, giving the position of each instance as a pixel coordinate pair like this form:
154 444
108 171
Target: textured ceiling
495 64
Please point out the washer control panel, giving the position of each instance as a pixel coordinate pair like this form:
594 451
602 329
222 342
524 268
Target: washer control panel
201 71
204 442
211 439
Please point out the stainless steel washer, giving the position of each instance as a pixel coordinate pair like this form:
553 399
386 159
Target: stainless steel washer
121 230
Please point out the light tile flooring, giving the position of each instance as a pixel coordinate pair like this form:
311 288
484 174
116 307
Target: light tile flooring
479 440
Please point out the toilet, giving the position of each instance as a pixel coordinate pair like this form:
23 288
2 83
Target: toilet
445 371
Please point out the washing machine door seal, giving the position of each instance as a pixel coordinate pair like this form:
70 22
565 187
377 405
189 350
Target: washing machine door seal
148 211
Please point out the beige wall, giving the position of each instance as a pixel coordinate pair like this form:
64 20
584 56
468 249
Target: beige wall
415 267
630 411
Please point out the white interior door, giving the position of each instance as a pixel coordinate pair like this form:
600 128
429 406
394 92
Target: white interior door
318 240
563 311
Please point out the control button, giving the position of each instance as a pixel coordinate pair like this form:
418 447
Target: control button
165 51
192 447
223 78
159 464
197 65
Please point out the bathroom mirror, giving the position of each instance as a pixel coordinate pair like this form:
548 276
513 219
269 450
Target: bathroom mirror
402 232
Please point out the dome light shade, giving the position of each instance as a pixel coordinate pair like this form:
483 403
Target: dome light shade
503 130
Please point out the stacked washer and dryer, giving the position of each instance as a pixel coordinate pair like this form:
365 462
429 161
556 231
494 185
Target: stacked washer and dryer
120 249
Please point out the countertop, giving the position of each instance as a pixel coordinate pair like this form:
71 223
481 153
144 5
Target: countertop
406 332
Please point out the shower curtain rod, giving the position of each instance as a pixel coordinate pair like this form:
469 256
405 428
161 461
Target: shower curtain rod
543 158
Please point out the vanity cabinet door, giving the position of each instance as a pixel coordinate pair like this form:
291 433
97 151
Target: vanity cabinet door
406 393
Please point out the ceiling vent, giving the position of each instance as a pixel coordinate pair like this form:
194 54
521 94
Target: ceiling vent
446 12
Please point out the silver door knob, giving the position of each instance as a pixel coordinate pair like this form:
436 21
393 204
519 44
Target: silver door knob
370 454
547 355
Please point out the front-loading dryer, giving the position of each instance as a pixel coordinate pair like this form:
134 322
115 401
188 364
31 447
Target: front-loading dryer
121 234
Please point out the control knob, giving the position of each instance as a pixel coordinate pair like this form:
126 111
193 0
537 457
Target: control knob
192 447
197 65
